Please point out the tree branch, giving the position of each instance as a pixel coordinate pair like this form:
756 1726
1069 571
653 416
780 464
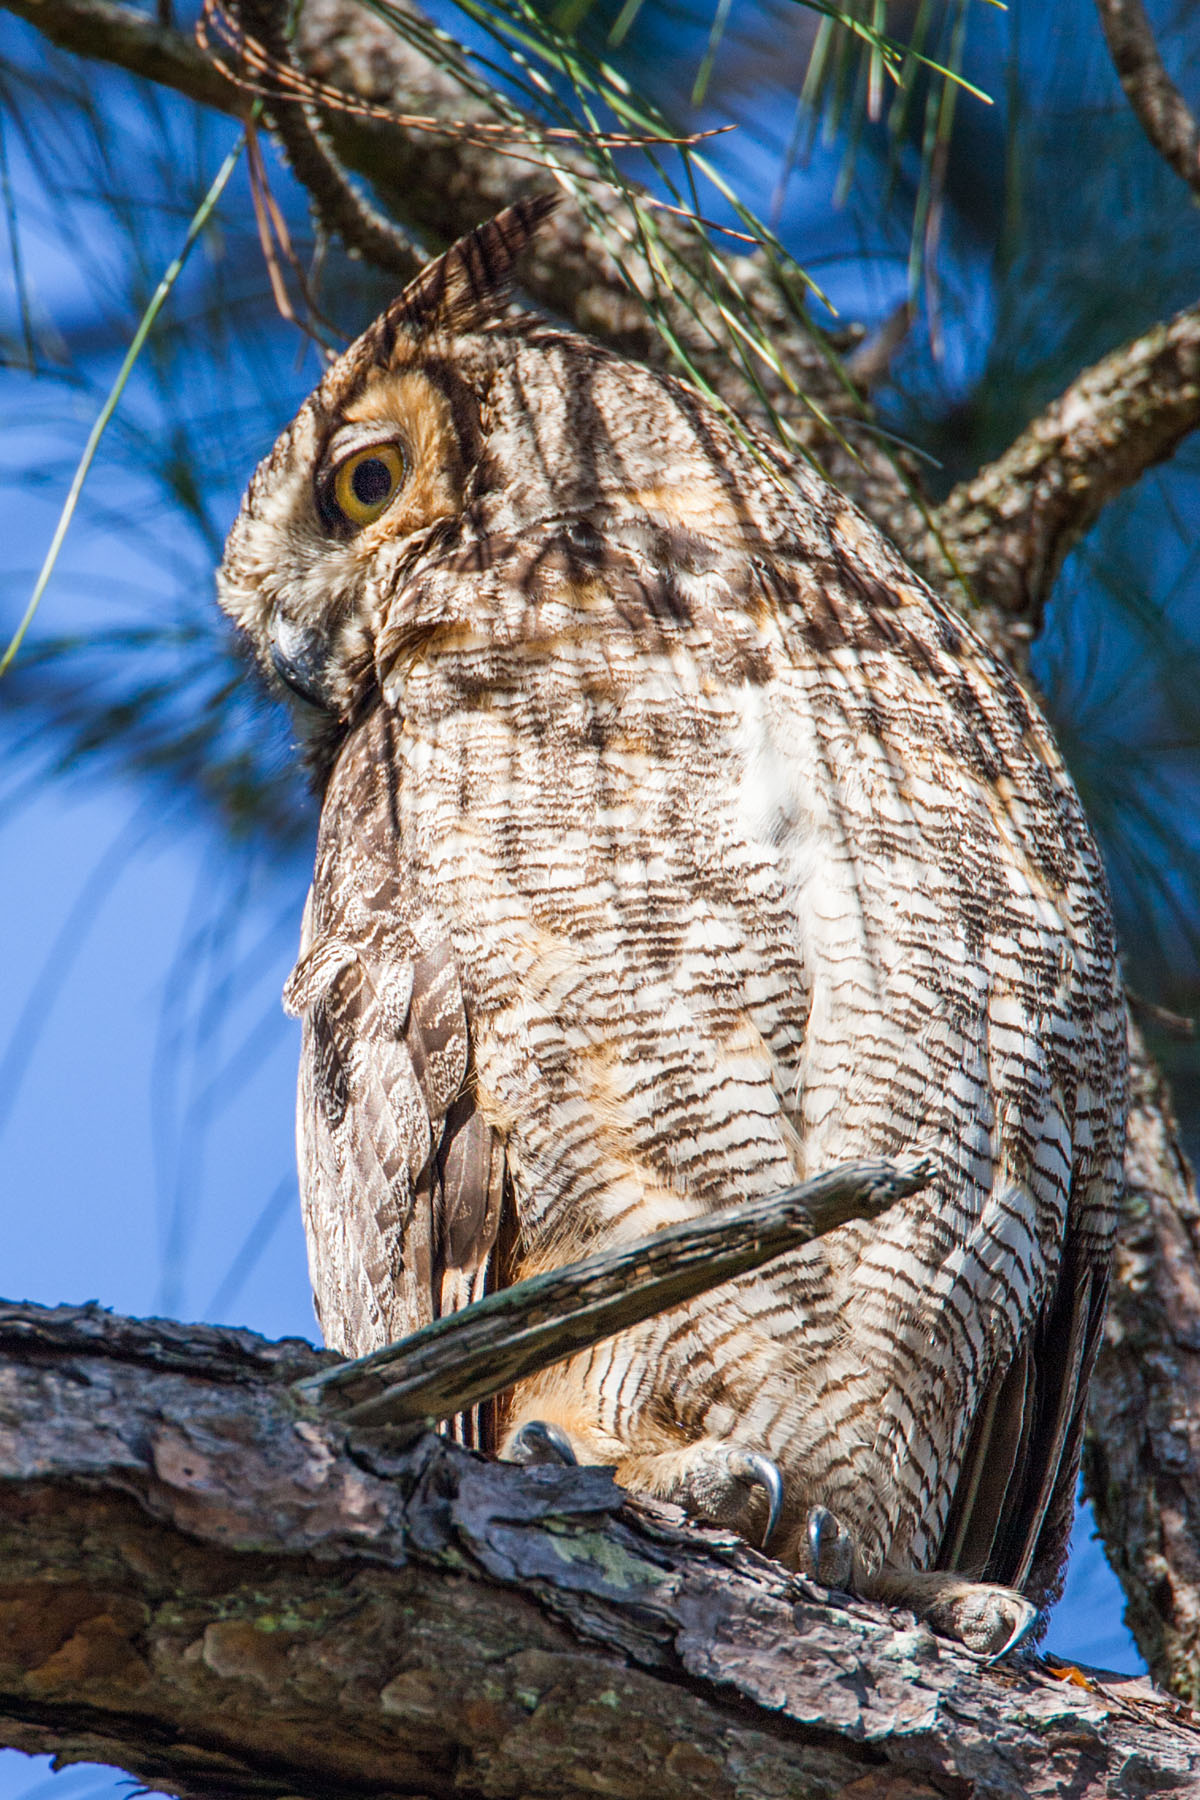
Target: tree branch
1144 1451
472 1355
441 185
1160 108
1009 527
133 41
1002 535
315 164
1005 532
230 1597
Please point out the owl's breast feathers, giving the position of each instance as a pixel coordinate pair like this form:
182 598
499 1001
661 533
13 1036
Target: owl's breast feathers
728 866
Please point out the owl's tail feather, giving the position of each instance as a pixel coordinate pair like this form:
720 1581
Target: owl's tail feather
481 1350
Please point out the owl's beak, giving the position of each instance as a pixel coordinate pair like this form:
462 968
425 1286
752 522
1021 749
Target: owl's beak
300 658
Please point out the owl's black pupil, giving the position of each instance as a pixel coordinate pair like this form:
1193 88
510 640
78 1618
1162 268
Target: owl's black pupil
371 481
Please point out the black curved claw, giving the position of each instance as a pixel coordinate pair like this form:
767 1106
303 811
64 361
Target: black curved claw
825 1540
749 1465
1026 1620
540 1442
822 1526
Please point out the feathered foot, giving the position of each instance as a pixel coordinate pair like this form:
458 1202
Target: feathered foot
715 1480
989 1619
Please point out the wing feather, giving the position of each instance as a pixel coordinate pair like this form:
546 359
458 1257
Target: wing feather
992 1468
1014 1502
401 1176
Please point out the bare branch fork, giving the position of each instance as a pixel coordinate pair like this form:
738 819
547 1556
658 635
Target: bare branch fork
1011 526
1007 529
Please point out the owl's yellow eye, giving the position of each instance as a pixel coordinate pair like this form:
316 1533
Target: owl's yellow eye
366 483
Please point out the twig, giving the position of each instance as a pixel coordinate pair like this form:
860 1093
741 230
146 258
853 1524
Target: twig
870 363
131 40
1175 1024
282 81
1161 109
471 1355
273 236
339 205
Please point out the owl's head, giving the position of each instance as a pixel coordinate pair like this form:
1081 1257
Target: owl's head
446 422
378 460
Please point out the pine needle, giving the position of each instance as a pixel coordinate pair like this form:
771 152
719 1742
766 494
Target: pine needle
146 325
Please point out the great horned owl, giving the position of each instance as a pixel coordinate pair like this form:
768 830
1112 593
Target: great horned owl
678 843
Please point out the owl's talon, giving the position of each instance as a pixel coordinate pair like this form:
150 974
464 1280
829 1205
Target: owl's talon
1025 1617
537 1443
821 1523
749 1465
990 1620
830 1548
714 1480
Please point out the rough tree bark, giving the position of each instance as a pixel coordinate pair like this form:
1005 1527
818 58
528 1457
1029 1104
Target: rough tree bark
229 1595
997 541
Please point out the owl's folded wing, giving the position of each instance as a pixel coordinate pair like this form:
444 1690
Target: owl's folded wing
401 1178
1015 1501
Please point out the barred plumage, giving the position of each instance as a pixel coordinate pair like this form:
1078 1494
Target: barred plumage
677 843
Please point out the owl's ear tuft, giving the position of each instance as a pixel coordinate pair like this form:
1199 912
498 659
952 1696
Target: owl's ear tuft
458 292
467 286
